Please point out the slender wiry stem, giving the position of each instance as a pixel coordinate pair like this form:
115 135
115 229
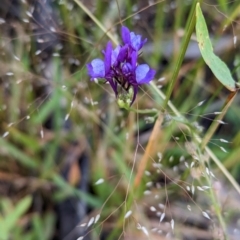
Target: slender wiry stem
86 10
144 111
217 120
199 140
149 149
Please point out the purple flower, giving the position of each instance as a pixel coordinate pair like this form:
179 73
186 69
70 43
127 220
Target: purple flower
99 68
133 40
96 69
144 74
120 67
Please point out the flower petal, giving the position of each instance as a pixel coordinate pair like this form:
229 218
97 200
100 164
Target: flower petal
123 53
134 59
126 68
114 55
125 35
144 74
113 84
141 72
149 77
136 41
96 69
107 60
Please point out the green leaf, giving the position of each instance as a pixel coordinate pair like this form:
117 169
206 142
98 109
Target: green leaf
49 222
10 220
68 190
38 228
218 67
25 140
21 157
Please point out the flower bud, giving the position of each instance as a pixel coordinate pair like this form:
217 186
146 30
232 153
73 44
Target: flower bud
125 98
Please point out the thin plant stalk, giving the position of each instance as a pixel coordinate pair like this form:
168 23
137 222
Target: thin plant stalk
215 201
189 30
99 24
150 145
217 121
199 140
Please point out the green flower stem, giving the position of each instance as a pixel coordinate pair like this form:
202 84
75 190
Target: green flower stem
189 30
144 111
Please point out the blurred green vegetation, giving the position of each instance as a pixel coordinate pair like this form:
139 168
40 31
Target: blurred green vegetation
52 114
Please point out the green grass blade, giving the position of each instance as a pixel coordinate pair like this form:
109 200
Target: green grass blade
16 213
18 154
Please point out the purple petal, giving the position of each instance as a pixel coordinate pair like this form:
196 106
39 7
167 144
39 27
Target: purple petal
144 74
125 35
136 41
127 68
107 60
134 59
113 85
96 69
123 53
114 55
149 77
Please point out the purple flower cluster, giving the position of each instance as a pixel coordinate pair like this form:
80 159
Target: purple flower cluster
120 68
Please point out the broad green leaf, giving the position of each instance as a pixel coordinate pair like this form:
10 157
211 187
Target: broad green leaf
218 67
